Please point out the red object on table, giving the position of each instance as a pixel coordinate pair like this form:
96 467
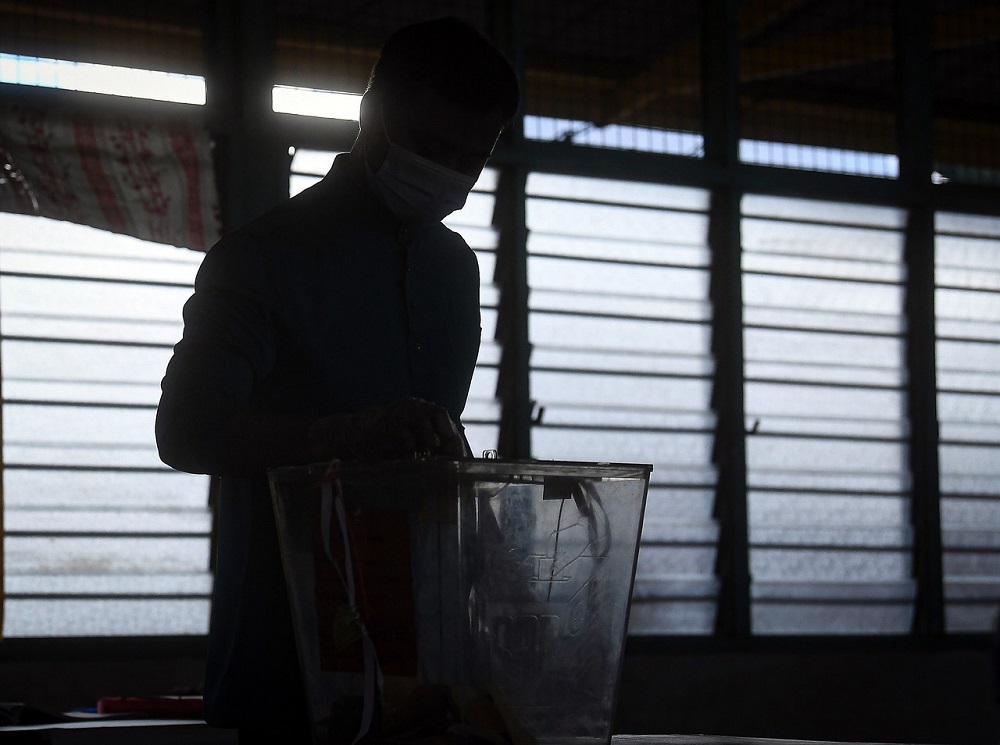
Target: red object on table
160 707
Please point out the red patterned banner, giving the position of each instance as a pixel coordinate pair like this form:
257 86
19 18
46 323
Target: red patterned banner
149 179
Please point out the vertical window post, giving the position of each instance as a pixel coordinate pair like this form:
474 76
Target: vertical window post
510 221
251 162
912 35
720 77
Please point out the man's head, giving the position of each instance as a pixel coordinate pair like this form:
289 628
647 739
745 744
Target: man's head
451 58
442 93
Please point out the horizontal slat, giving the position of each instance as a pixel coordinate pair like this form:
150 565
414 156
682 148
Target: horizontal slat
971 617
971 563
839 537
73 435
813 401
969 383
869 275
112 519
796 319
651 617
482 436
838 428
832 214
674 588
619 305
978 536
972 589
968 356
850 461
687 250
104 617
685 451
827 481
96 585
676 560
862 618
570 358
74 489
960 224
93 292
664 533
972 462
659 393
632 417
56 243
620 193
678 503
803 372
833 592
801 509
92 555
797 347
612 334
583 276
959 309
808 564
962 485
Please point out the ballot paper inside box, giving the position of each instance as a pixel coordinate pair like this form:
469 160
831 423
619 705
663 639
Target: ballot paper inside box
494 591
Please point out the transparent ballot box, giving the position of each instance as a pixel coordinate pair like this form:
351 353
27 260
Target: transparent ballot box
485 600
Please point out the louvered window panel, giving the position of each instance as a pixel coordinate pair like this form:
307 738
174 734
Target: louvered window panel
474 223
828 490
967 303
621 367
101 538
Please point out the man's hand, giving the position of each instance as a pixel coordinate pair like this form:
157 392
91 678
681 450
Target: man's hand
407 428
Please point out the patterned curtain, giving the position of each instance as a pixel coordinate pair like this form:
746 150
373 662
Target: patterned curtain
146 178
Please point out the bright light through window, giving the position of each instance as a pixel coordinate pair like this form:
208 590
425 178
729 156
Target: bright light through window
312 102
92 78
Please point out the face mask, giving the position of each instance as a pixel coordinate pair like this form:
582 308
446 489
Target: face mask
417 190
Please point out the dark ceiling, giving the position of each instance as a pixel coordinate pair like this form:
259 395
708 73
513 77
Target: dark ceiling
821 72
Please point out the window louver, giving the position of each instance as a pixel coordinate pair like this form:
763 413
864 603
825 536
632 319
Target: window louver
828 486
621 367
967 304
101 538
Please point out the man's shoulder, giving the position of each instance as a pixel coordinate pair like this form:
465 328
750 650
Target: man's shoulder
453 246
311 218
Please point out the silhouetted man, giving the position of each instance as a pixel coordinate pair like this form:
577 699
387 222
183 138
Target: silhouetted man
343 323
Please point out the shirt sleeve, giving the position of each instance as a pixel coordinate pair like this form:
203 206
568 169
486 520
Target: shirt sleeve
227 347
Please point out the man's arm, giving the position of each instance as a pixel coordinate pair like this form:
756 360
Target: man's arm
250 440
206 423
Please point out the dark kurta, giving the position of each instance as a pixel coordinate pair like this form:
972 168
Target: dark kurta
326 304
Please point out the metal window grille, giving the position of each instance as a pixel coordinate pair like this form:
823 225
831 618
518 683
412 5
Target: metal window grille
828 485
967 302
101 538
621 367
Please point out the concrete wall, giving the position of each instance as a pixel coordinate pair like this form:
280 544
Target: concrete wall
857 691
867 690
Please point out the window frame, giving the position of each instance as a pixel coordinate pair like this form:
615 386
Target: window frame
728 179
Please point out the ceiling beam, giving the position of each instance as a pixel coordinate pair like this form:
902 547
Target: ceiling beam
676 74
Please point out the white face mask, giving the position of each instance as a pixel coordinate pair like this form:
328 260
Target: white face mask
418 190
